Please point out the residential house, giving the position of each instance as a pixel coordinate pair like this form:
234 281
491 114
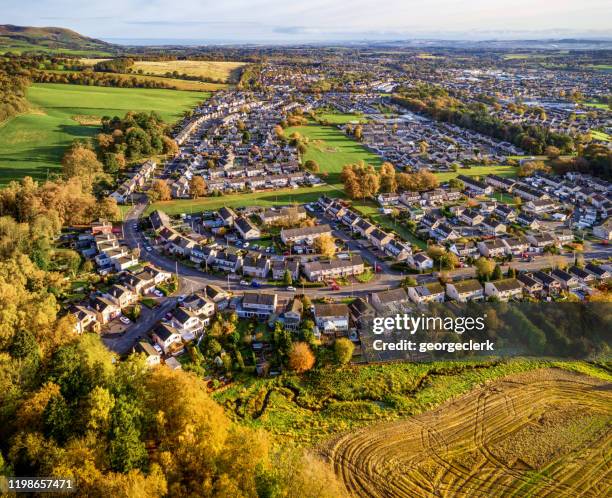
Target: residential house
255 265
530 285
420 261
317 271
465 290
429 293
167 337
492 248
152 357
258 305
332 318
604 231
85 319
392 299
121 296
279 266
187 323
567 280
550 284
292 316
246 229
504 290
306 235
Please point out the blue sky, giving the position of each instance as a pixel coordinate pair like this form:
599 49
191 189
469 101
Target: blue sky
316 20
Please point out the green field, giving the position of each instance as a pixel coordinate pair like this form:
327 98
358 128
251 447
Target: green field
332 150
505 171
32 144
597 105
263 199
341 118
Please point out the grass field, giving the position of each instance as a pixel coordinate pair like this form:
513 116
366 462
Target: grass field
500 170
545 432
264 199
341 118
218 70
33 143
332 149
597 105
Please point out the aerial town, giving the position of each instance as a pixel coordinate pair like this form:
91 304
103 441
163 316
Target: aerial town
434 232
325 249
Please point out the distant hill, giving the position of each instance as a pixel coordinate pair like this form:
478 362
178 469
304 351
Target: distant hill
27 38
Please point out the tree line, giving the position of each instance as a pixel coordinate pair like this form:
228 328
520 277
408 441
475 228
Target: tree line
436 103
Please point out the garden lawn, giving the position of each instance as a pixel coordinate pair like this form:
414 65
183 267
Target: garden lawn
332 150
500 170
32 144
342 118
263 199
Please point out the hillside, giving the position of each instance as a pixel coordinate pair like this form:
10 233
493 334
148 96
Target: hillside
27 38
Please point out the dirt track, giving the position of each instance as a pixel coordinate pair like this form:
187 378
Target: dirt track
541 433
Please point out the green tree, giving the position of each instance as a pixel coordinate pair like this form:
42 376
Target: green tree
57 419
343 350
287 278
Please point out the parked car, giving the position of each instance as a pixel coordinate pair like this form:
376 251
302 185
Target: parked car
181 298
244 282
255 284
158 293
246 244
334 287
148 248
291 288
125 320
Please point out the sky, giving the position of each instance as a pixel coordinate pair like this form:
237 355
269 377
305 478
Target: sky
283 21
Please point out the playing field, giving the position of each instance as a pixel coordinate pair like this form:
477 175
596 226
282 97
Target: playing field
218 70
341 118
332 150
499 170
32 144
263 199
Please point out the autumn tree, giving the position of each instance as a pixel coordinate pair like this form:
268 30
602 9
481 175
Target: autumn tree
301 358
325 245
197 187
159 191
81 162
388 182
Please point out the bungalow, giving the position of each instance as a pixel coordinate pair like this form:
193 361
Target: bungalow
420 261
167 337
317 271
505 289
492 248
246 229
530 285
307 235
429 293
464 290
332 318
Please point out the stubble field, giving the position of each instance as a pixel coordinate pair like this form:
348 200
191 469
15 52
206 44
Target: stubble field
545 432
